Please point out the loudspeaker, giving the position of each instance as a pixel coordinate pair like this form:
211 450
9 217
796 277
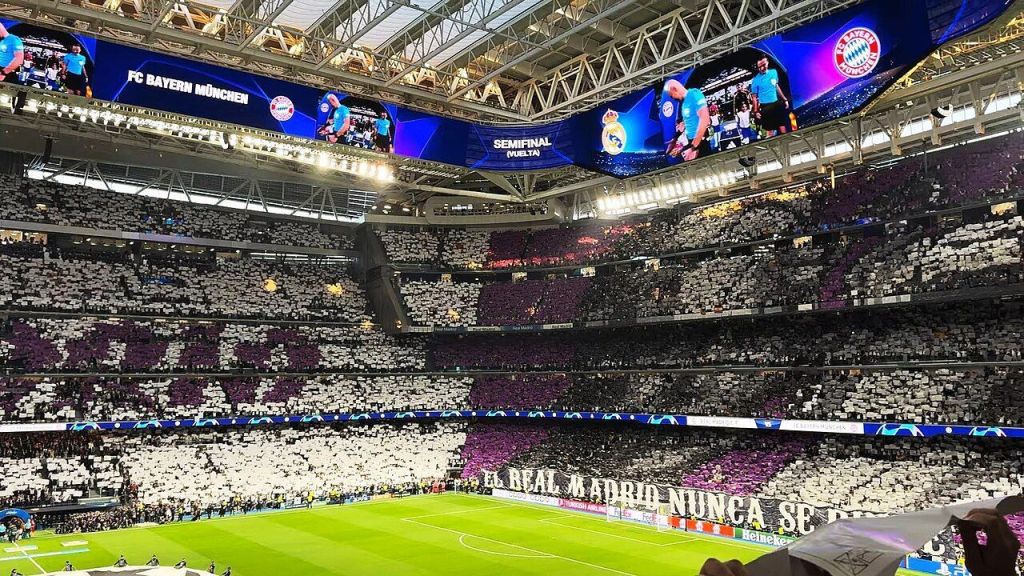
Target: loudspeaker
19 101
942 112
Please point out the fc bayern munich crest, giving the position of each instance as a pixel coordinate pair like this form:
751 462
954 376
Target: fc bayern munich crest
281 108
857 52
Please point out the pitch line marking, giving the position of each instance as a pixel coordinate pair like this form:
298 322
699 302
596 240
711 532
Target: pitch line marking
648 542
462 540
458 512
33 561
45 554
695 535
566 558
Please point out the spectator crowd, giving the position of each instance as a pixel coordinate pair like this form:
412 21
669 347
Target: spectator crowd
221 335
984 171
26 200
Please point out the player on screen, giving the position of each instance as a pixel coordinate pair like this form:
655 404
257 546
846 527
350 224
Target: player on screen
153 561
68 566
715 114
52 76
770 105
121 562
72 67
743 122
227 572
12 53
26 67
692 122
338 120
181 564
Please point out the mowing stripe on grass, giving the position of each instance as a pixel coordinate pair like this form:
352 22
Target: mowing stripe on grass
504 538
458 512
328 507
551 520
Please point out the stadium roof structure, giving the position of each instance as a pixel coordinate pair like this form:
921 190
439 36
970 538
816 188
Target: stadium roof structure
978 76
484 60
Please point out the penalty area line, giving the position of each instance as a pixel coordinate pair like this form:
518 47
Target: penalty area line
462 540
33 561
540 553
698 536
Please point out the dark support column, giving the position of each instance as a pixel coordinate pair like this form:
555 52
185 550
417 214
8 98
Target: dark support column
13 163
378 279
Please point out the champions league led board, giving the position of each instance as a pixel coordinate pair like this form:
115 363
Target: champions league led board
800 78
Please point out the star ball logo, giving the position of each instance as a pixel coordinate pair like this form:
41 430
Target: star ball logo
281 108
613 137
857 52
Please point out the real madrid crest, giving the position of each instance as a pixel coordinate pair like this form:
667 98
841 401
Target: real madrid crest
613 137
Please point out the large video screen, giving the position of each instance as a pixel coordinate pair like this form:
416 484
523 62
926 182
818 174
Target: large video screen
804 77
352 121
82 65
813 74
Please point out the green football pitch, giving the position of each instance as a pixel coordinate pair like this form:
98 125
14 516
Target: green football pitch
434 534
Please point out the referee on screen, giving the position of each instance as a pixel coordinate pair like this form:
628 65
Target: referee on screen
382 133
73 67
770 105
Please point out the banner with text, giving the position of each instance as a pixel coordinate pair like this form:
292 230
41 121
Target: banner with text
764 514
768 521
